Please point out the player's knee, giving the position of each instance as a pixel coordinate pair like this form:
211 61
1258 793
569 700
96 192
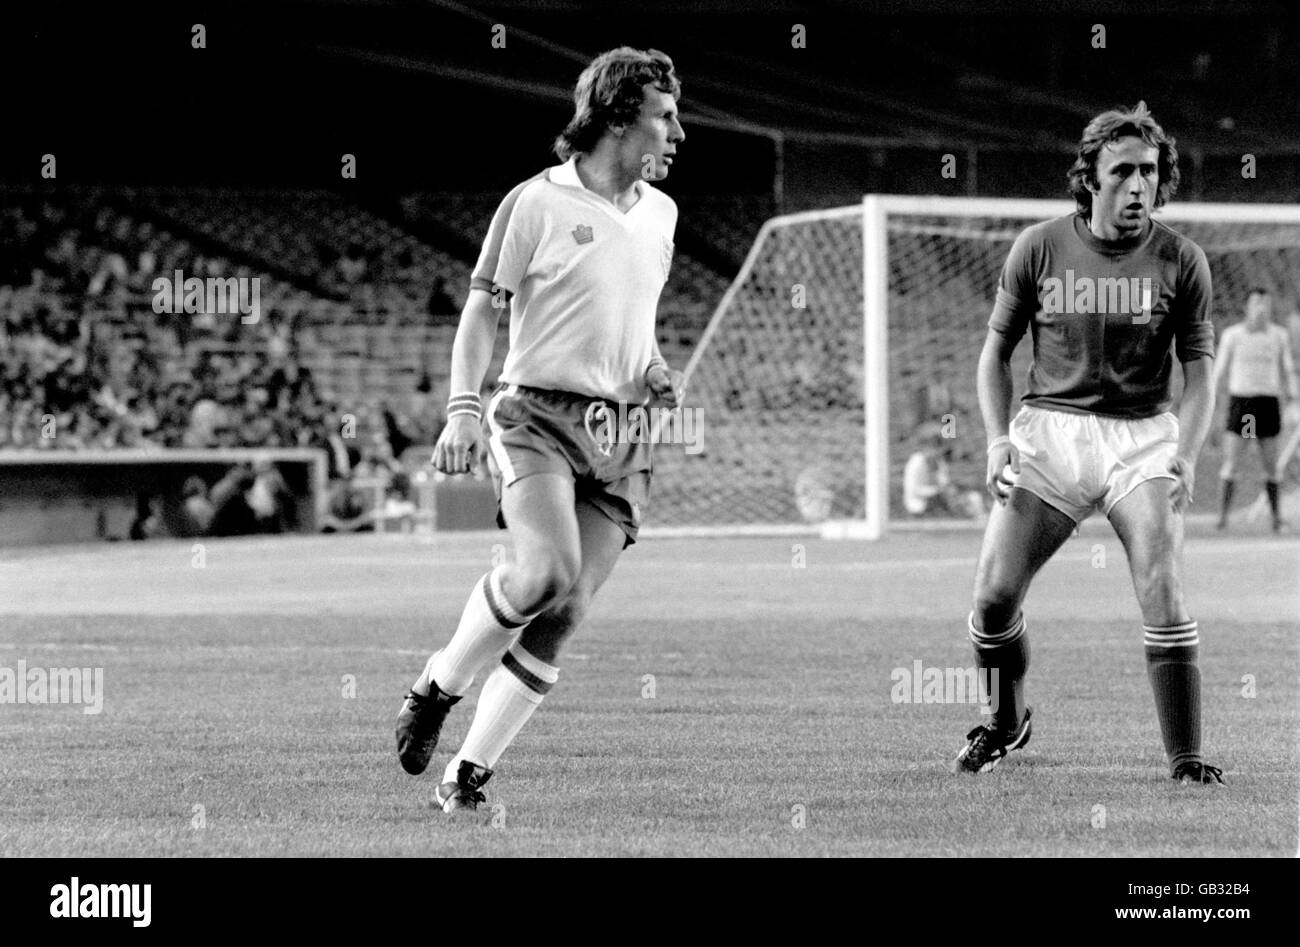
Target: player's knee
547 579
546 634
571 609
991 616
997 596
1155 579
1161 595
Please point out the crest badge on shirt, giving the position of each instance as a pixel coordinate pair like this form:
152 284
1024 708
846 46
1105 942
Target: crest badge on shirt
583 234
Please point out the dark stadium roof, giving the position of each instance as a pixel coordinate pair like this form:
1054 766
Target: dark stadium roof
419 83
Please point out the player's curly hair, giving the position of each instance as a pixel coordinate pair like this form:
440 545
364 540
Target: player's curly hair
609 93
1123 123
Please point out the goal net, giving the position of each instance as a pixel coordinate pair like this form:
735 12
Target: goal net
851 336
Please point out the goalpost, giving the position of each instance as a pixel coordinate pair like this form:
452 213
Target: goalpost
851 334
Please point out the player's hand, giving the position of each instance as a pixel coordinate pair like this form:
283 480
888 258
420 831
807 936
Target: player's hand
995 478
460 445
1180 494
667 387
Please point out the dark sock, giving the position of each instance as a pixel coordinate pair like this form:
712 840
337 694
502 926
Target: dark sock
1176 683
1270 487
1225 497
1005 652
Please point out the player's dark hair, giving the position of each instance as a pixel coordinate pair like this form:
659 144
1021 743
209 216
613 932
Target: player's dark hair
609 93
1110 126
1257 291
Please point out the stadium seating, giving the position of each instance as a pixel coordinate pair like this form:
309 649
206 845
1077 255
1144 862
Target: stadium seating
361 308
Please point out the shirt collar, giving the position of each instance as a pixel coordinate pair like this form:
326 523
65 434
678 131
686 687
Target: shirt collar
1111 247
566 175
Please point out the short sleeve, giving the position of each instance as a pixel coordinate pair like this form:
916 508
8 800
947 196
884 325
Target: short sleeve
1017 298
511 238
1193 330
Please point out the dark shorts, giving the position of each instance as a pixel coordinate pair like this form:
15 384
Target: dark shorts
532 431
1264 410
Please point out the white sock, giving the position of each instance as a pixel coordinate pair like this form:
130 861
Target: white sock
487 627
509 697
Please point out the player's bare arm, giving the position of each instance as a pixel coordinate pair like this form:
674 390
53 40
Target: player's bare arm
460 445
1223 361
1289 373
1194 416
667 385
993 382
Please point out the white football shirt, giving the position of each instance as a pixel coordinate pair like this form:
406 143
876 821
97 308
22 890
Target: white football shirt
585 278
923 480
1256 360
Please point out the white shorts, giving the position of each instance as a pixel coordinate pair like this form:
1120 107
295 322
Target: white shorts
1081 462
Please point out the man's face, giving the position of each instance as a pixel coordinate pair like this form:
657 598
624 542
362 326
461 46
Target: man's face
649 143
1125 190
1259 309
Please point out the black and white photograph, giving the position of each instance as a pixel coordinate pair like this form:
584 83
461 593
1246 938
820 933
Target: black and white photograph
576 429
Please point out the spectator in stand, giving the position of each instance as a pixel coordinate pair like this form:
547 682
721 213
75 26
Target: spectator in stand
398 502
111 273
422 408
110 373
928 489
206 418
352 266
440 302
232 515
136 422
256 426
398 439
379 459
340 444
147 522
196 511
349 509
269 498
141 278
174 413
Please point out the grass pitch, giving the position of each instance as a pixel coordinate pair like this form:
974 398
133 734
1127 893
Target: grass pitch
726 697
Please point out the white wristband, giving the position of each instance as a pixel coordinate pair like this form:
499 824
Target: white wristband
467 402
998 442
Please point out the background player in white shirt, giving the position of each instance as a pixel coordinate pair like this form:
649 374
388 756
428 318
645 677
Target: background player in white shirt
927 480
583 249
1255 360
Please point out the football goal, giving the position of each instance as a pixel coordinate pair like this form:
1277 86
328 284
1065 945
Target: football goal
851 335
